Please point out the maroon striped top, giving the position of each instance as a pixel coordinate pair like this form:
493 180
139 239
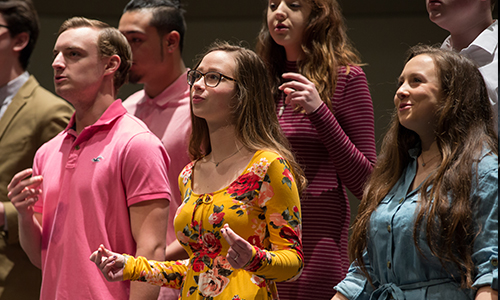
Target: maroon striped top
336 150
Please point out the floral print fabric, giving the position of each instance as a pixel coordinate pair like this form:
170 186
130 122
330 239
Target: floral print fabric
262 205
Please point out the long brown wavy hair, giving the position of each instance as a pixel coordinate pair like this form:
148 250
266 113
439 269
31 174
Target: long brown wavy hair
464 129
253 112
325 44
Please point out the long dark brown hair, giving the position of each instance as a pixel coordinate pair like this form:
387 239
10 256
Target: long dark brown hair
325 44
253 112
464 129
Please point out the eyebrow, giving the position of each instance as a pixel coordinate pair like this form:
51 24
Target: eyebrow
133 32
55 51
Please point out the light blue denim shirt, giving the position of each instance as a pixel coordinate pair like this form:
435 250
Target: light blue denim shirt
397 268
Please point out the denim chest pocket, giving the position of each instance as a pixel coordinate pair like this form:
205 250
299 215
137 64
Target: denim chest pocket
387 199
380 217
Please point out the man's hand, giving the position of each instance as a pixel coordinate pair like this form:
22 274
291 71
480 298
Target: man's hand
23 193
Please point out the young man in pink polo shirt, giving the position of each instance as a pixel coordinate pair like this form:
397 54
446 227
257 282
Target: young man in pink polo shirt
103 180
155 31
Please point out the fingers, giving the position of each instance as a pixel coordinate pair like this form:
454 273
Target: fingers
20 188
108 262
240 251
18 177
295 76
227 233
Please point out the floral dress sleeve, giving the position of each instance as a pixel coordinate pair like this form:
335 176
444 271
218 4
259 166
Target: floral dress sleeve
281 257
169 274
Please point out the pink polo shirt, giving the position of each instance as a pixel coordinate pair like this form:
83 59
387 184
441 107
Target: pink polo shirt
168 117
90 180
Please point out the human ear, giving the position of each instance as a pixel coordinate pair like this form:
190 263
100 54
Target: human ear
171 41
21 40
112 65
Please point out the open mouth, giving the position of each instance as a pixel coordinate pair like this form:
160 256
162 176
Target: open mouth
281 26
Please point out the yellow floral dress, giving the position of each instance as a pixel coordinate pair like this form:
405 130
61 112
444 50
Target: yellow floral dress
262 205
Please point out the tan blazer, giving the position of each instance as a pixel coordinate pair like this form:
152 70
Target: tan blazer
32 118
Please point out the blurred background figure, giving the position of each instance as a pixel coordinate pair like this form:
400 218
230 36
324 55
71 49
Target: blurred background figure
155 30
473 33
324 107
29 116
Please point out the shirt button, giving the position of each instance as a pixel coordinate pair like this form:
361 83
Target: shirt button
389 228
401 201
388 264
494 262
77 147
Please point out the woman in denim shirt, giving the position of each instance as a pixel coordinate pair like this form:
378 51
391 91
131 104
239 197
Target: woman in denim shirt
427 226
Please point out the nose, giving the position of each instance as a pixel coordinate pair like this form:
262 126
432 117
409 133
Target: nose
199 83
280 12
402 91
58 63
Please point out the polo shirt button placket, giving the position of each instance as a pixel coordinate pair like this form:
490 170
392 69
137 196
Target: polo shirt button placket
73 157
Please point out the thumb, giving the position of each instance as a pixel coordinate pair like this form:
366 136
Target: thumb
228 234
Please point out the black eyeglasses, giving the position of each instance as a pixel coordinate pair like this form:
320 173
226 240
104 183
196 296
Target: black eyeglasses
212 79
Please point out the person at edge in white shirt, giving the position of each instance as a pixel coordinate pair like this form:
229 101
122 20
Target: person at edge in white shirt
473 33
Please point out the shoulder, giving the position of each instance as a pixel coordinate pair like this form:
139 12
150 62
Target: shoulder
350 71
133 125
266 156
351 77
132 131
265 161
488 163
131 102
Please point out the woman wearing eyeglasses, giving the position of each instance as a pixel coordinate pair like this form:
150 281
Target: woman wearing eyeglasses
240 220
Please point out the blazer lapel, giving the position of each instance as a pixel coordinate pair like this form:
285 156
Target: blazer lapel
19 100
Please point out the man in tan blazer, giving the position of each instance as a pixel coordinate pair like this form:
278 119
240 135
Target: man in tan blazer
29 117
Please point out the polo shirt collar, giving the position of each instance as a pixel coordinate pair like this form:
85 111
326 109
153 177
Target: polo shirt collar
113 112
174 93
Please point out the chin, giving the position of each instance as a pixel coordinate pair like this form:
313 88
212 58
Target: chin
134 78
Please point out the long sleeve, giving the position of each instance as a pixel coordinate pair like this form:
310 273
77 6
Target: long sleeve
348 133
281 203
168 274
355 285
485 249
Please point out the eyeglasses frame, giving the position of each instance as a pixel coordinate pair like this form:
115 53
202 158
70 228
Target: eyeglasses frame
222 76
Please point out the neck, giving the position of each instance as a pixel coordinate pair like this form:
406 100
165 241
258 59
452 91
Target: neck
294 53
429 152
224 143
161 81
88 112
14 72
464 34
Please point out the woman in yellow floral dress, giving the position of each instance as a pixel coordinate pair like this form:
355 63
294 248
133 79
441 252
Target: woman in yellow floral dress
240 219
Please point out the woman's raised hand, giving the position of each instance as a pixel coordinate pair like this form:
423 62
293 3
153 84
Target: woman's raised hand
240 251
110 263
301 91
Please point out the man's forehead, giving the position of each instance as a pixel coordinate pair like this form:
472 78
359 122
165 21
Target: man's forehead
136 21
79 37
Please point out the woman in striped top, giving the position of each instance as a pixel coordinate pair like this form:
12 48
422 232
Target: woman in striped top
325 109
